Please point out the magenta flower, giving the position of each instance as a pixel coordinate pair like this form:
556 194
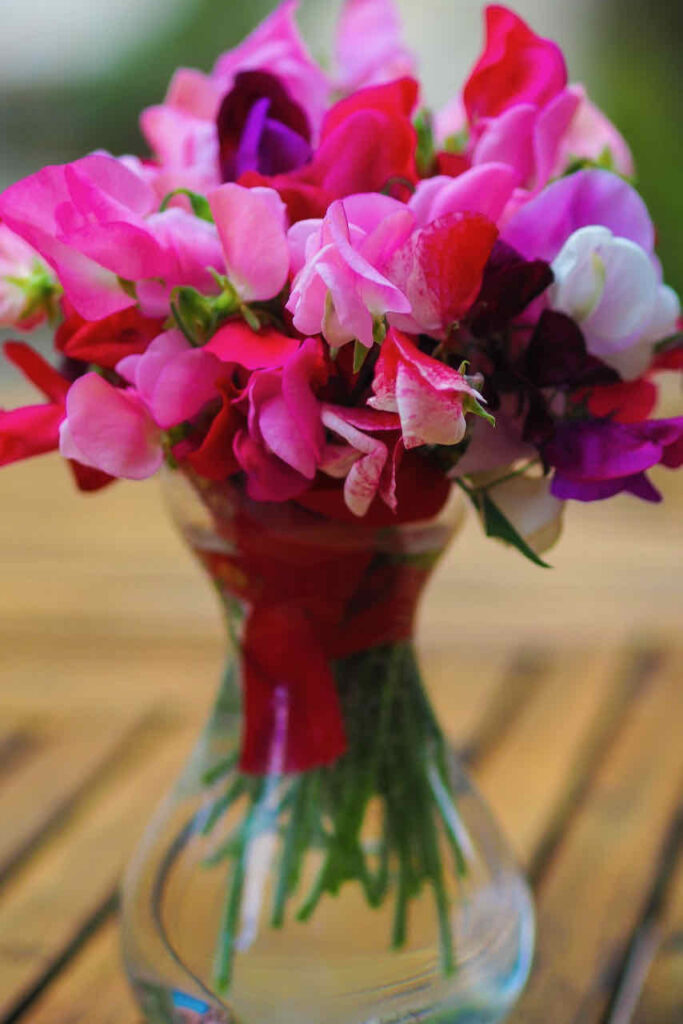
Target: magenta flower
585 199
94 222
594 460
110 429
428 396
281 448
486 189
252 228
339 291
173 379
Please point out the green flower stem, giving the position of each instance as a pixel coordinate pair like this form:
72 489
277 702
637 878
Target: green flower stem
397 763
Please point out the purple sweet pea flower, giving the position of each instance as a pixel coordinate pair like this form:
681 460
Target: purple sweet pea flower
261 128
598 459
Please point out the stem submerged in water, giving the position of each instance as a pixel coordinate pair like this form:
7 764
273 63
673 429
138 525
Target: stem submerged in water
395 768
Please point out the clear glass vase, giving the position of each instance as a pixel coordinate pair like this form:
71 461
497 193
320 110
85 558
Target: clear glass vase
323 858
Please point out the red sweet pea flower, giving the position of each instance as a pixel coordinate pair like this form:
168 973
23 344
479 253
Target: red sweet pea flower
517 66
630 401
34 429
106 342
440 269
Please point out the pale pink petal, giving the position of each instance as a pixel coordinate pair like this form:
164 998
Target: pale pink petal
363 479
110 430
551 129
194 93
428 415
369 46
589 135
252 228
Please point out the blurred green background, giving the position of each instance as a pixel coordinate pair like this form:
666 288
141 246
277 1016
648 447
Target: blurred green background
74 74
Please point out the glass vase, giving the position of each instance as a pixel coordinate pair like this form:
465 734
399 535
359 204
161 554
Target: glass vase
323 858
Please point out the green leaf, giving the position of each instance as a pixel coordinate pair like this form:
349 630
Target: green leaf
498 526
200 205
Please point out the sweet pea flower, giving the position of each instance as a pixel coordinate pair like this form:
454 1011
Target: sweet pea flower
173 379
369 47
186 132
119 431
32 430
252 229
363 461
598 459
27 288
94 222
110 429
440 269
588 198
611 288
339 291
590 136
486 189
281 448
529 505
428 396
517 100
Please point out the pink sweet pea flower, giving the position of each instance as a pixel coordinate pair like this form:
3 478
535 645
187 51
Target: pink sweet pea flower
110 430
282 447
276 46
173 379
486 189
183 132
517 102
369 45
94 223
589 136
252 228
339 291
362 461
427 395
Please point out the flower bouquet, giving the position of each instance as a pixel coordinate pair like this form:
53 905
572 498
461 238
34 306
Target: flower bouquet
330 315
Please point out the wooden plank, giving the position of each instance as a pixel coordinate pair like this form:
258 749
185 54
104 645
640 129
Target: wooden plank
59 760
92 990
532 777
661 998
65 884
581 695
595 891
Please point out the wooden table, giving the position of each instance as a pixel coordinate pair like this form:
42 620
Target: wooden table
564 689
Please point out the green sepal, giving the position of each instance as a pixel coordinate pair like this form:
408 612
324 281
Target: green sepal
360 354
251 318
498 526
200 205
457 143
474 406
425 152
379 331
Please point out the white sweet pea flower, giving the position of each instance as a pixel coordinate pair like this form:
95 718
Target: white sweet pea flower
612 288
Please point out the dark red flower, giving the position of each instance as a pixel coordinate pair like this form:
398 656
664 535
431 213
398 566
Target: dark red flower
105 342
